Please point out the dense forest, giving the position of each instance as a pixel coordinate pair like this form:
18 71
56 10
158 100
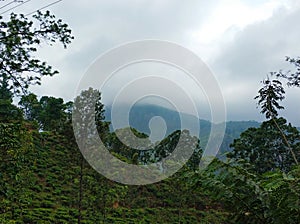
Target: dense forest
45 179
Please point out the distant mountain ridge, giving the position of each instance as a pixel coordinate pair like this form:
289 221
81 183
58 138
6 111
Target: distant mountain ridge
140 116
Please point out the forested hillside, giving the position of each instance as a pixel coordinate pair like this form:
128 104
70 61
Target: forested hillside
45 187
140 116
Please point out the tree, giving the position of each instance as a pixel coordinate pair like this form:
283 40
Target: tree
19 38
89 103
8 111
30 106
52 115
88 110
19 68
260 181
168 145
268 97
265 149
5 93
275 144
125 146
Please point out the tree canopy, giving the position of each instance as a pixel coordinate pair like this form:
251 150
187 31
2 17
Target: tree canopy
19 41
264 149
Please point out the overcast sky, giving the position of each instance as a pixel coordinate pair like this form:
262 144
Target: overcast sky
240 41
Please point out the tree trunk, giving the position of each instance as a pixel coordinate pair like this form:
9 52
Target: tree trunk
80 191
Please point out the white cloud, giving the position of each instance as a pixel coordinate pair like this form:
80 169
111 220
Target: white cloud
232 13
255 51
240 40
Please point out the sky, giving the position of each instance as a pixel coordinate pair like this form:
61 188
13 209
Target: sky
241 41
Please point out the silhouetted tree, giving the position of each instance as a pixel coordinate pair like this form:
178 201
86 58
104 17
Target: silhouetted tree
19 38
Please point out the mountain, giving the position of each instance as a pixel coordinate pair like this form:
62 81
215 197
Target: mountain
140 118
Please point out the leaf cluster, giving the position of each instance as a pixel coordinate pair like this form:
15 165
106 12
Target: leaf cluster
19 39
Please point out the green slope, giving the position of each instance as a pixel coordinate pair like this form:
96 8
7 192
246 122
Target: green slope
50 190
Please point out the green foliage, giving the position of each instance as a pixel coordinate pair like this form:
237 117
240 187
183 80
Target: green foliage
264 149
252 198
19 38
88 112
49 192
140 116
30 106
15 143
233 131
50 113
14 140
283 190
5 93
8 111
44 178
269 95
117 142
293 78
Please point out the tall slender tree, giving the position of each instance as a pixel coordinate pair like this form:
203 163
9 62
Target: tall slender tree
268 99
87 111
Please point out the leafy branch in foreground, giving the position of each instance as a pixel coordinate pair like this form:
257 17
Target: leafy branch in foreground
19 38
272 197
